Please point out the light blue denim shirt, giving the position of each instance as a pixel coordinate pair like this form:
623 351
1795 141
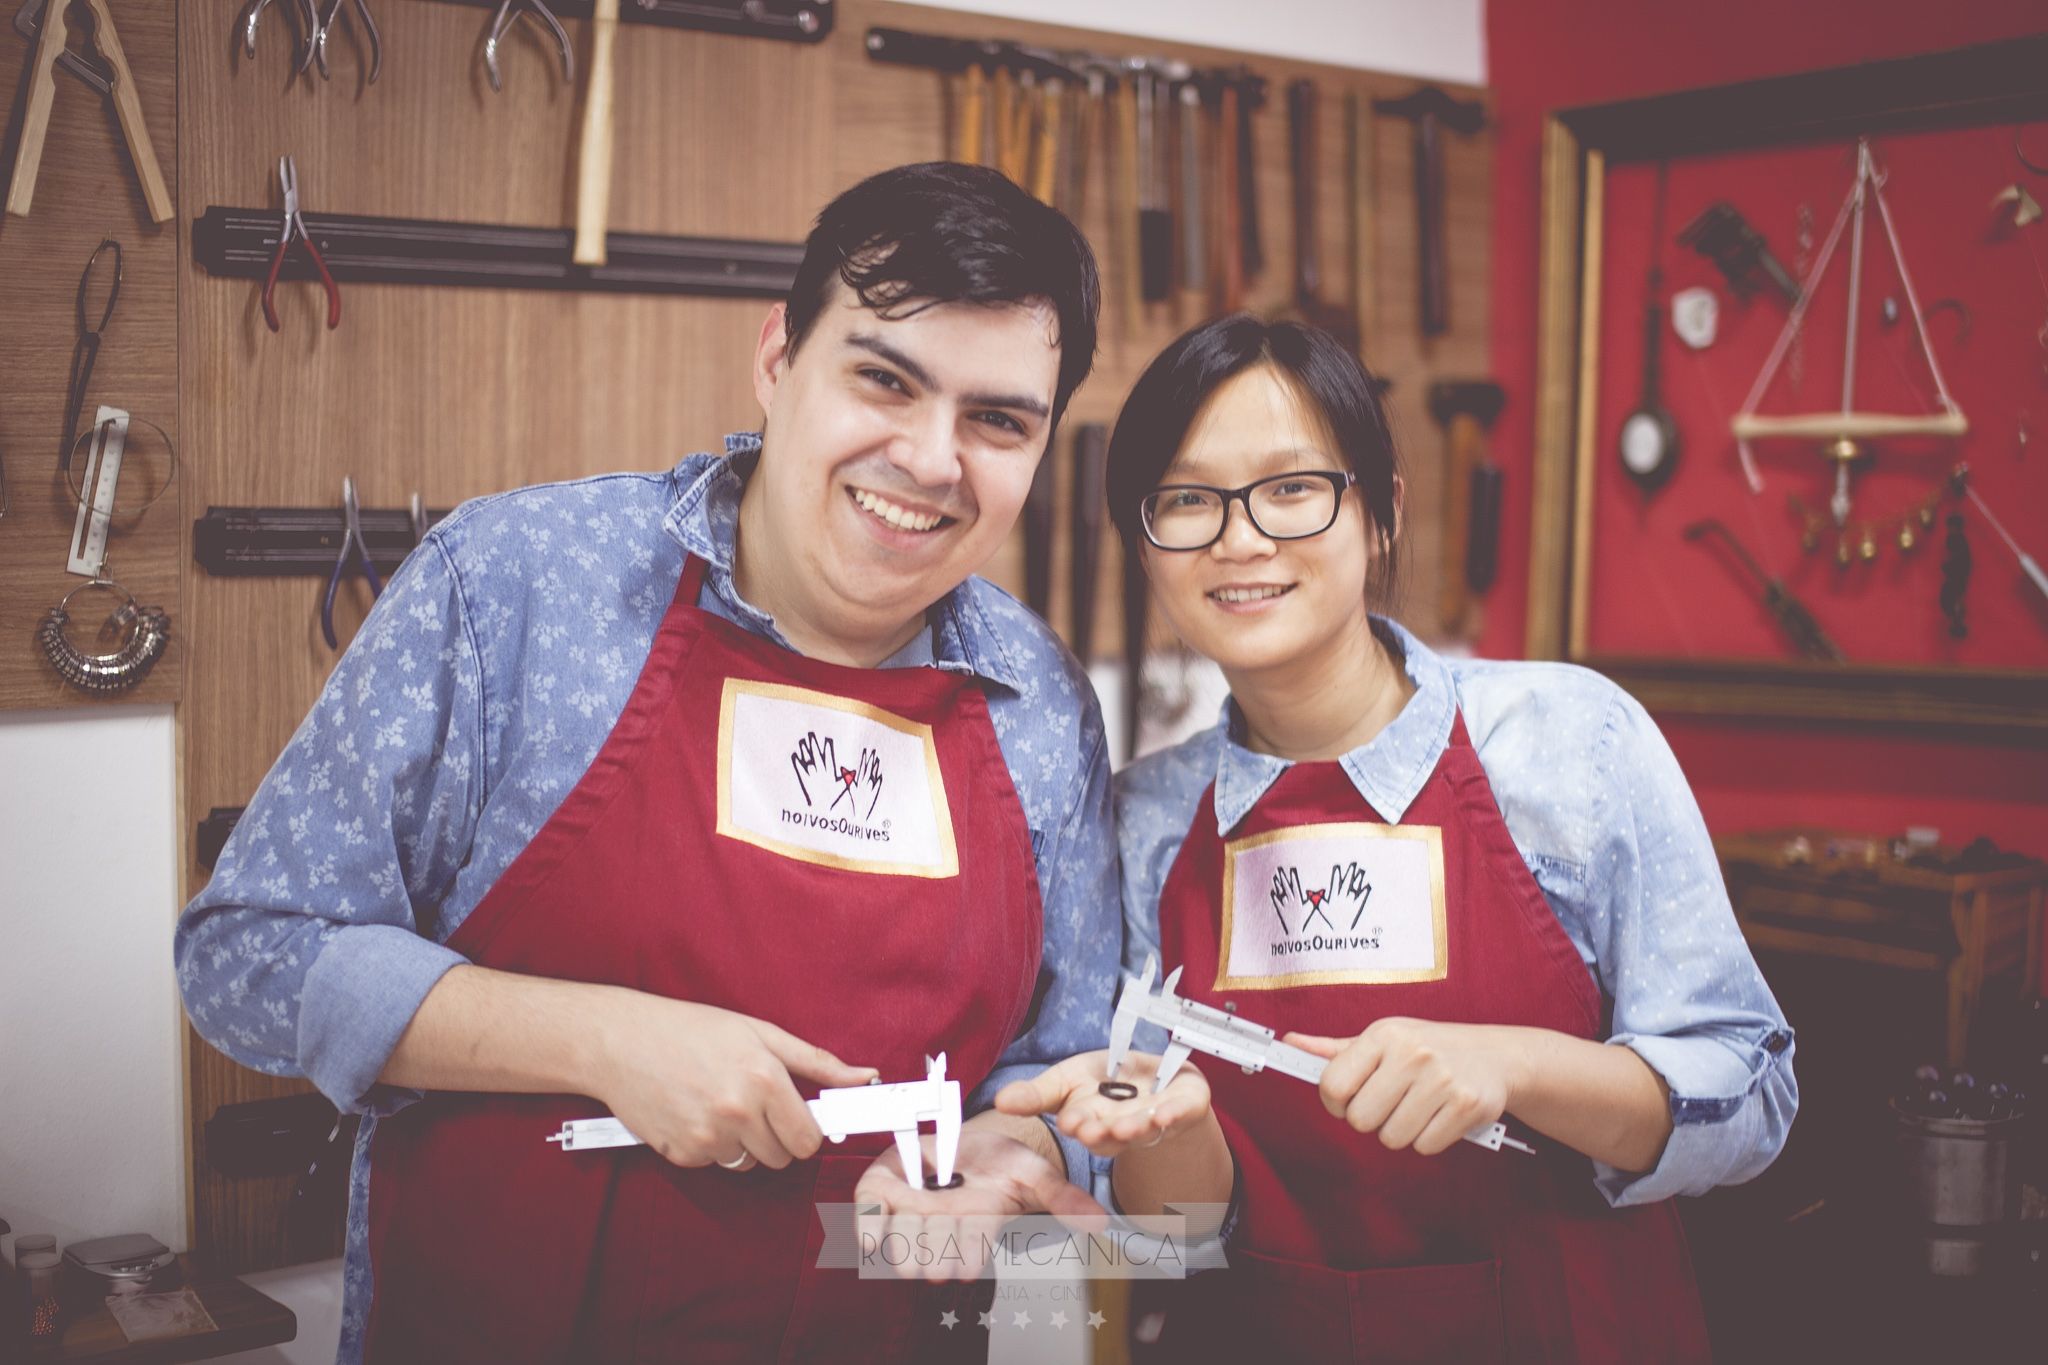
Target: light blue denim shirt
1602 816
472 702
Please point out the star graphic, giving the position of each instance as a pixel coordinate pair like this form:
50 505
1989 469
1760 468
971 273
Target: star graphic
987 1320
1096 1319
949 1319
1021 1319
1059 1319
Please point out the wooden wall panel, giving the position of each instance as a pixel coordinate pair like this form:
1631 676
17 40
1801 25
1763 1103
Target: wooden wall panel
85 191
458 392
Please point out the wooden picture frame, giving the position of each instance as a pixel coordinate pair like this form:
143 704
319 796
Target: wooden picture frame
2004 82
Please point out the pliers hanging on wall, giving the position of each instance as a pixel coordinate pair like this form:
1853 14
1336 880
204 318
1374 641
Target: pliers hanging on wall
353 548
254 15
508 10
316 46
295 230
317 27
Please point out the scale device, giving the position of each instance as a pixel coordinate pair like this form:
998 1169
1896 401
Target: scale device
1844 436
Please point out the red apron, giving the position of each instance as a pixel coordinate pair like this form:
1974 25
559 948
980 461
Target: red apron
1345 1250
837 850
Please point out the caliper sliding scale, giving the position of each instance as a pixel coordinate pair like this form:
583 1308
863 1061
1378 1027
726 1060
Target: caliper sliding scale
873 1108
1195 1027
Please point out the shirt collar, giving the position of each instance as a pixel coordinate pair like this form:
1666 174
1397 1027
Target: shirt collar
705 519
1388 770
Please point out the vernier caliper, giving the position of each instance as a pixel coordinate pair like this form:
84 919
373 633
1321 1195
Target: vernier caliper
1194 1027
874 1108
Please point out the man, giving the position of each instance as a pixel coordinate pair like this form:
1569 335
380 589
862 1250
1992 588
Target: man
686 795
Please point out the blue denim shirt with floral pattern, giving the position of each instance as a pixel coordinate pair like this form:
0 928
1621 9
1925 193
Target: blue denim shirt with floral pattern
1606 823
474 698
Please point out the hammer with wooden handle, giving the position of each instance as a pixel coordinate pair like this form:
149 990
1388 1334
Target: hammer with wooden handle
594 162
1432 111
1465 409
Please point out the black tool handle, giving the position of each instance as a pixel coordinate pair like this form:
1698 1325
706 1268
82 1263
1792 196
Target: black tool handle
1091 464
1251 252
1155 219
1301 163
1429 223
1155 253
1482 545
1799 624
1038 520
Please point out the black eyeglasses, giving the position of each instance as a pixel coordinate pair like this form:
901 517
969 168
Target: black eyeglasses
1193 516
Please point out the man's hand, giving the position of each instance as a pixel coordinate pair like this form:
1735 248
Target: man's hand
1415 1082
1070 1091
704 1085
1001 1178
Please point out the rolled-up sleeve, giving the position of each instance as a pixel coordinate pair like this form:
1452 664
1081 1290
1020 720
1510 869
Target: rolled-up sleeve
1687 995
311 948
1077 877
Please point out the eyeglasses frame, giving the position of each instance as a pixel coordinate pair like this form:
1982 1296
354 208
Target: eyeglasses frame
1340 479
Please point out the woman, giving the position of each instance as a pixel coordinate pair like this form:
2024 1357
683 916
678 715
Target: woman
1481 890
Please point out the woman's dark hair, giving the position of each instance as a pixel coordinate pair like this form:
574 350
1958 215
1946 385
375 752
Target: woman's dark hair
1162 406
944 232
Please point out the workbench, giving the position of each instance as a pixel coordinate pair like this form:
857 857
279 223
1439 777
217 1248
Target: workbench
1824 893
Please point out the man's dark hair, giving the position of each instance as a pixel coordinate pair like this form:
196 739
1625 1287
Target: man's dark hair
1329 379
944 232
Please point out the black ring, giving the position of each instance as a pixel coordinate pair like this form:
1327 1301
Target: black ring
931 1182
1118 1090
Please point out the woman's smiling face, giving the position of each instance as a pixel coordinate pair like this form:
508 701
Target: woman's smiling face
1249 602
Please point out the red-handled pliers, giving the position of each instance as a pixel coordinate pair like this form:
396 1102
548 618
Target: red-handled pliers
295 229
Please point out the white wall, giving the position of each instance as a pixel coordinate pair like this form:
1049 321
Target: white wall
1441 40
92 1132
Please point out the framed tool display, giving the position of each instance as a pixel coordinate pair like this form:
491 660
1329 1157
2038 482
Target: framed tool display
1824 289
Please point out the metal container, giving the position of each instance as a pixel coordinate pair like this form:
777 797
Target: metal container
1959 1172
133 1263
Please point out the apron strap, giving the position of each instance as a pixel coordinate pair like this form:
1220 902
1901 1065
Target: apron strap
692 582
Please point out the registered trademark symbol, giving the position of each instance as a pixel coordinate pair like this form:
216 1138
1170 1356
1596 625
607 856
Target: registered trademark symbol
885 824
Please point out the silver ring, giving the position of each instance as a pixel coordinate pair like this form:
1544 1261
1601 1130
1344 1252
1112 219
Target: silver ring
132 514
739 1163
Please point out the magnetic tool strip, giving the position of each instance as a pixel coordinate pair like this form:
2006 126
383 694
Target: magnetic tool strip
286 542
238 243
796 21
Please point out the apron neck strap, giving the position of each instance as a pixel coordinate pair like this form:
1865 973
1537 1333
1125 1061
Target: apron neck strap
693 580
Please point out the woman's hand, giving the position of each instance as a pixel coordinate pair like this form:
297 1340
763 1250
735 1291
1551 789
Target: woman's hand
1070 1091
1418 1083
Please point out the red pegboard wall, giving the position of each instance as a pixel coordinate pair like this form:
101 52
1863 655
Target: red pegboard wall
1653 593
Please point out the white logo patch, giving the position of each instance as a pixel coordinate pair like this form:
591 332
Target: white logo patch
1317 905
833 781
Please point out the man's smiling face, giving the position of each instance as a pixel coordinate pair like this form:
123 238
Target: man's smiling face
897 453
